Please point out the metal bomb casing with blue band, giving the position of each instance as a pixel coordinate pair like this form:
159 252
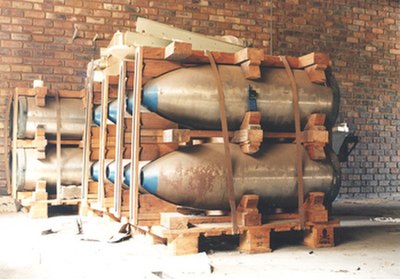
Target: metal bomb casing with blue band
195 176
188 96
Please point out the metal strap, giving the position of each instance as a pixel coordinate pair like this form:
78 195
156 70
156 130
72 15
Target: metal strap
299 149
228 160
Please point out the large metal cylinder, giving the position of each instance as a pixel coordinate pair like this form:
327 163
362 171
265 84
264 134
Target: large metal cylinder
196 176
189 96
31 116
30 170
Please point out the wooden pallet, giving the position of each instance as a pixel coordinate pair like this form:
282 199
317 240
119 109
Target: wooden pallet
37 202
181 232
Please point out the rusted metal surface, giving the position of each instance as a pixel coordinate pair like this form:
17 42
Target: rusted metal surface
189 96
195 176
30 170
31 116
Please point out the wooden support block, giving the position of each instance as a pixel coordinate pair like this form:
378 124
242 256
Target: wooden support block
251 135
40 97
178 51
184 244
173 220
38 210
255 241
315 151
314 58
176 135
256 55
316 73
250 70
310 136
320 236
247 211
153 53
251 118
39 196
40 186
315 119
314 208
249 203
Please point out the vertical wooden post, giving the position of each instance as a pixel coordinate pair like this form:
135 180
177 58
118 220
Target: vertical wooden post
7 144
299 149
228 160
137 92
58 147
14 146
119 138
103 139
87 134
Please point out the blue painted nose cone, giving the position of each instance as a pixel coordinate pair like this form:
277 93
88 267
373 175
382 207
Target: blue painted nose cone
110 172
97 115
127 175
150 97
112 111
94 171
149 181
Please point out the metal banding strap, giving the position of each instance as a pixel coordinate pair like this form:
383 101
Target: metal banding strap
228 161
299 150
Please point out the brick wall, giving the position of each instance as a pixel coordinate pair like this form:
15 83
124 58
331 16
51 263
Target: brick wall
362 37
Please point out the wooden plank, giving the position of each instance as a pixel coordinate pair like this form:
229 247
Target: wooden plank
256 55
74 94
14 145
173 220
275 61
58 147
103 139
88 154
228 160
155 68
135 153
299 148
119 140
177 51
314 58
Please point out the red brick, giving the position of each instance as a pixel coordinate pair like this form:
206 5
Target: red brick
34 14
63 9
21 5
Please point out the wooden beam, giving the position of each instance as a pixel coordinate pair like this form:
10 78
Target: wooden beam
103 139
250 70
255 55
119 147
155 68
135 150
177 51
314 58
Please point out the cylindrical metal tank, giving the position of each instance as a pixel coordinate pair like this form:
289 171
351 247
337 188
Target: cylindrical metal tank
189 96
196 176
30 170
31 116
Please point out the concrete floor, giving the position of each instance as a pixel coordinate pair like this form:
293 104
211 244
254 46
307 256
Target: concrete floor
366 249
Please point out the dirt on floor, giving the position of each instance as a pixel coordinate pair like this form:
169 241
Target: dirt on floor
368 247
